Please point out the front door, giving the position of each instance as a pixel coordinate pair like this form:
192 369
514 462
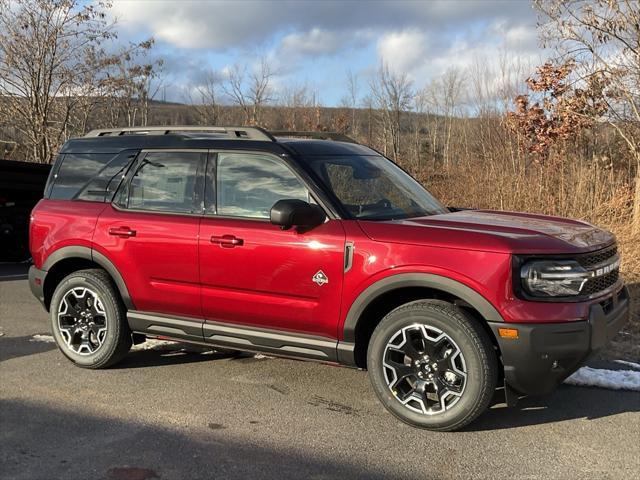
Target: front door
150 233
252 272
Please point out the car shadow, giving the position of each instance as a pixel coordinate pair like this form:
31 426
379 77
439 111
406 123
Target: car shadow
566 403
175 354
15 347
45 441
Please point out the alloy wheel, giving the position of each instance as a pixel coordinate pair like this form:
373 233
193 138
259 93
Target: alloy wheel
82 321
425 369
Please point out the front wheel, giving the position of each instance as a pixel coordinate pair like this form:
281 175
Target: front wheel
431 366
89 321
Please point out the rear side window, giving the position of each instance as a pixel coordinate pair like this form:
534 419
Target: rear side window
165 182
104 184
75 171
248 185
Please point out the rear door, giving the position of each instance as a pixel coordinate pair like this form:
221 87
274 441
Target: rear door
150 232
252 272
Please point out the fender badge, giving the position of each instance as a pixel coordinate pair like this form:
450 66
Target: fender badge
320 278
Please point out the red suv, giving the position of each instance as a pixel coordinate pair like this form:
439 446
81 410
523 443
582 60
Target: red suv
309 245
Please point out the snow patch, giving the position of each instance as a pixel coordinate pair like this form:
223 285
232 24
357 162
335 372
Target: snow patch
260 356
612 379
154 344
42 338
629 364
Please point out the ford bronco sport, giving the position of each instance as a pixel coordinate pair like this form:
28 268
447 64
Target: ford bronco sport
309 245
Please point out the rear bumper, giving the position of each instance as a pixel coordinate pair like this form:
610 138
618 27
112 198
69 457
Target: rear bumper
545 354
36 283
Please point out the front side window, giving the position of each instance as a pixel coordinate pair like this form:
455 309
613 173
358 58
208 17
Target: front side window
248 185
371 187
165 182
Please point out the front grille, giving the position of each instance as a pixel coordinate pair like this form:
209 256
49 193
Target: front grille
598 284
594 258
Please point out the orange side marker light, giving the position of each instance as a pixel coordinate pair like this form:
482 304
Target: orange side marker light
508 332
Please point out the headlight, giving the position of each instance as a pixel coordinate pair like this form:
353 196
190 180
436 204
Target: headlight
554 278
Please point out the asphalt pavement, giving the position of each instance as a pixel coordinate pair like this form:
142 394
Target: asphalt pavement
169 414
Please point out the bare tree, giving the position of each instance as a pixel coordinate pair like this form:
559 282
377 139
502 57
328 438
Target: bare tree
299 104
428 119
47 48
367 104
453 84
131 83
207 103
151 83
392 95
351 100
602 38
251 91
444 95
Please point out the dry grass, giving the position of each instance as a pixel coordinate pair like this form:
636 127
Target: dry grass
627 343
588 192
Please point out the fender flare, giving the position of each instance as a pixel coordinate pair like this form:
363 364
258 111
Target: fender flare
426 280
90 254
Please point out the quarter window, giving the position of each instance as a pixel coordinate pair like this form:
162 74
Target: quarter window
75 171
165 182
248 185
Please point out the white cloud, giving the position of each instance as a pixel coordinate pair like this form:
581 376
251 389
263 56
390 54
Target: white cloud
422 39
219 25
520 36
193 24
403 51
314 42
503 52
226 71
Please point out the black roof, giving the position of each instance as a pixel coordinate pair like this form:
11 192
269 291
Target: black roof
326 147
141 142
303 147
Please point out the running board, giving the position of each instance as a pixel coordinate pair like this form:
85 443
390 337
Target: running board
238 337
305 346
163 326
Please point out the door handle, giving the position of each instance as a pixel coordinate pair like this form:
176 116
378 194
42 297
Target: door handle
227 241
122 232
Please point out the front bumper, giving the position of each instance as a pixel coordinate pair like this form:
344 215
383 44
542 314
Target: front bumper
36 283
545 354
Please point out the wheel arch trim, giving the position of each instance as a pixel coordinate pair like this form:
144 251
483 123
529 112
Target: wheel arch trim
87 253
407 280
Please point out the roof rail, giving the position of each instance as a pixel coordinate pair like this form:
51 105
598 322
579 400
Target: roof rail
235 133
338 137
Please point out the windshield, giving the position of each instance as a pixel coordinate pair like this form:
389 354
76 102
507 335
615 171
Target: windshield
372 187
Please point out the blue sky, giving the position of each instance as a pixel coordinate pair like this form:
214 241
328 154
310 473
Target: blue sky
317 42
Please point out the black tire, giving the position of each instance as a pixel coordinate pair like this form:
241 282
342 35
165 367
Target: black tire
458 333
117 340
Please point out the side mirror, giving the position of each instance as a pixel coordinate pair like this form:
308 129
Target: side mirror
289 213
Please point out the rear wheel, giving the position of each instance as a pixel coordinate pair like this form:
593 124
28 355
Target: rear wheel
432 366
88 320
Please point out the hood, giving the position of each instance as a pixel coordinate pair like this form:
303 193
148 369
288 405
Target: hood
493 231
